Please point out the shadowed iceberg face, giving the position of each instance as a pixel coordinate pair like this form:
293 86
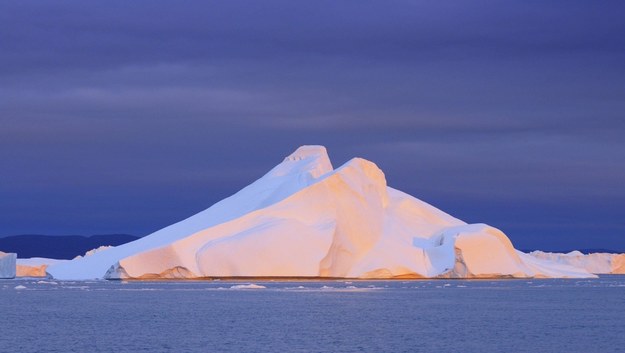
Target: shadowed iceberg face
7 265
305 219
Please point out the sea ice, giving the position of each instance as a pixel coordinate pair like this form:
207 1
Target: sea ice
247 286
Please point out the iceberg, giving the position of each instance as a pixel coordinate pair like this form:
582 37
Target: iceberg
34 266
306 219
598 263
37 266
7 265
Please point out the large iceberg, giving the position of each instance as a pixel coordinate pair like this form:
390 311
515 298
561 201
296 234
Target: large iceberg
7 265
306 219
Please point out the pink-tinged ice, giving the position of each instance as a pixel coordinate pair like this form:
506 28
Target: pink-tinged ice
34 266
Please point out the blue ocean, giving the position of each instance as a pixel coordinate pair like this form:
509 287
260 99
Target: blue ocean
548 315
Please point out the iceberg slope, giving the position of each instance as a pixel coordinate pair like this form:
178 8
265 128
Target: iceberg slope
297 171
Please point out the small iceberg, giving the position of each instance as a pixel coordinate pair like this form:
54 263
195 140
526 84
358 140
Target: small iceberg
248 286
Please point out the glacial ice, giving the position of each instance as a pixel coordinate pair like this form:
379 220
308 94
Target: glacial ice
37 266
34 266
7 265
306 219
598 263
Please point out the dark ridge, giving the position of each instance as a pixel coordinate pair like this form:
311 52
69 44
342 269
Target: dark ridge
583 251
59 246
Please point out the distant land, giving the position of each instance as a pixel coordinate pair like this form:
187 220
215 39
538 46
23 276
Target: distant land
59 246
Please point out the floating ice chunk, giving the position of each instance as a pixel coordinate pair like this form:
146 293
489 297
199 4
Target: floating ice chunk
20 287
247 286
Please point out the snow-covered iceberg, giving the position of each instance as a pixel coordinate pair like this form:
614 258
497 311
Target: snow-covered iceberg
7 265
598 263
306 219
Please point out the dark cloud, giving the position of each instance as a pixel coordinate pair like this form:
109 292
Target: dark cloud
120 117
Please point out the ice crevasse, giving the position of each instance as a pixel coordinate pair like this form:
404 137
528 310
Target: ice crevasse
306 219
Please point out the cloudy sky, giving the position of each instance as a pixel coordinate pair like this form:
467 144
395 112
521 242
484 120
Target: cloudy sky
119 117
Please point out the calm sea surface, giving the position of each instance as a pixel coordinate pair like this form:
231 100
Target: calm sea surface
335 316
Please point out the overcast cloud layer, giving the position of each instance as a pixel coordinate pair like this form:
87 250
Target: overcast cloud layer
126 117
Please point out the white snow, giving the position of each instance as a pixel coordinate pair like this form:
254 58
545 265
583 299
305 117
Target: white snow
599 263
306 219
7 265
19 287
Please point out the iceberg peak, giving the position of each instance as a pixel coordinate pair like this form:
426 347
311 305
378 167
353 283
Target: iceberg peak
368 168
307 151
308 159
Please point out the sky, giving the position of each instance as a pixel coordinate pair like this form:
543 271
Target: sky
125 117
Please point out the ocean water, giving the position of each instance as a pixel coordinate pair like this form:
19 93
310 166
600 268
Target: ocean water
302 316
